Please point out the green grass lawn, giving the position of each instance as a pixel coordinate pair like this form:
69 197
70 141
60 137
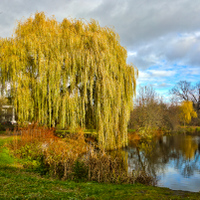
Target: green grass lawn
5 158
17 183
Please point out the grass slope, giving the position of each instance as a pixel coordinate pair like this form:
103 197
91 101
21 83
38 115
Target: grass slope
16 183
5 158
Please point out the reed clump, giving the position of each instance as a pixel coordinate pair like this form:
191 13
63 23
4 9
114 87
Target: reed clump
145 178
107 168
69 158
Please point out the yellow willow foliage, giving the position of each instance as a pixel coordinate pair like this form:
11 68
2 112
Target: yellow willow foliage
188 147
72 73
187 111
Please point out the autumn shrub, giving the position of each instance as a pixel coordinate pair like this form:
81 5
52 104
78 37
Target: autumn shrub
103 167
133 138
190 130
28 145
147 132
198 130
80 170
61 155
69 158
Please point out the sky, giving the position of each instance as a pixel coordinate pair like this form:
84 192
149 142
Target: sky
162 37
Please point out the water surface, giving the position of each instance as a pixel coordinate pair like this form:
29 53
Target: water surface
173 160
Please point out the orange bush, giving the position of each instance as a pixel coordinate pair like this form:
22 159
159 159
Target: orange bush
69 158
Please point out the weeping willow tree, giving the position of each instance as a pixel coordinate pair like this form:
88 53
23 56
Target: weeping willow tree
71 73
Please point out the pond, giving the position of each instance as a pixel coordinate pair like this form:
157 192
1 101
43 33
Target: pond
173 160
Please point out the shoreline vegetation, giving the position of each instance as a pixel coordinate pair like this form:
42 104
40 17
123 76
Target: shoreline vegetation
190 130
18 182
20 178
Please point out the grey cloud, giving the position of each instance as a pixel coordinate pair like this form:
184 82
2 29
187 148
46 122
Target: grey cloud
137 21
185 50
141 62
180 49
140 21
149 28
15 10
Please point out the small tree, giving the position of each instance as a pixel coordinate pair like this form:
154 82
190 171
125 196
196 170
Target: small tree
185 91
187 112
149 111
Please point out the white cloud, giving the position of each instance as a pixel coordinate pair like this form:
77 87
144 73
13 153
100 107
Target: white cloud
161 73
155 77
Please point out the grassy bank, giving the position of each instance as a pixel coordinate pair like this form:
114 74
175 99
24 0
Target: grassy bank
17 183
189 130
149 134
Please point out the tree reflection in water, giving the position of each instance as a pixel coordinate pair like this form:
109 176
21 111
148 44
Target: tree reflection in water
155 157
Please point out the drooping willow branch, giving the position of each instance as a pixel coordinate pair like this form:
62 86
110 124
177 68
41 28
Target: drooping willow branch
72 73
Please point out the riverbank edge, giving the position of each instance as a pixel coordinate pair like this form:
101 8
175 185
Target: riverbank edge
185 130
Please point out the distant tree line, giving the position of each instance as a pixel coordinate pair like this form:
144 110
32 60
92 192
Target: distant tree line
151 112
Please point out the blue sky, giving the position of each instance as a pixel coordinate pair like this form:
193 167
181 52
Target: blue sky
162 37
